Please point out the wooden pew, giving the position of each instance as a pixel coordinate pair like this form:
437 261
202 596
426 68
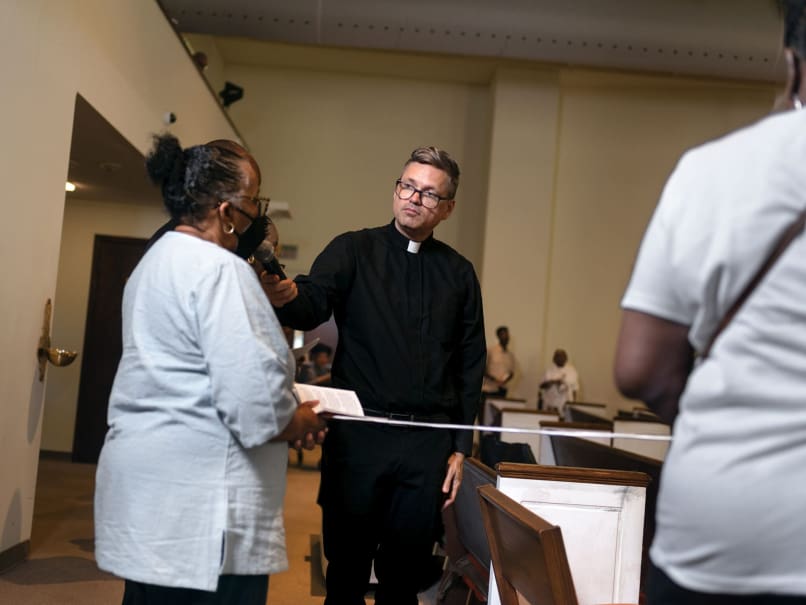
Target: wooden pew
651 449
578 411
546 449
528 553
491 414
601 513
575 452
526 419
465 542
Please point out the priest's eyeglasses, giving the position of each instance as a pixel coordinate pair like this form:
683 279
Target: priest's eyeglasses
429 199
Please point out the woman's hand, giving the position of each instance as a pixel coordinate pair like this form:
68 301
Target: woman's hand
306 429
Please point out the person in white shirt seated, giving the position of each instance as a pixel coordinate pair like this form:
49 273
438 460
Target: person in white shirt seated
560 383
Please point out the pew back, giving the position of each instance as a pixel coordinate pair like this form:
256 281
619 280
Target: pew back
528 553
525 419
493 406
651 449
578 411
571 451
601 513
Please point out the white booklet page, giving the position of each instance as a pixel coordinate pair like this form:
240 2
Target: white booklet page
334 401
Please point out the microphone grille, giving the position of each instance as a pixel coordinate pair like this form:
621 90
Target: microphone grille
264 252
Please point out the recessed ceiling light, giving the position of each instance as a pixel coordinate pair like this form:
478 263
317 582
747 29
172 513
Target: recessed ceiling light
68 186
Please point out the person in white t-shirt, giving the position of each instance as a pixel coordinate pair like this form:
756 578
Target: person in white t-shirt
560 383
500 365
730 521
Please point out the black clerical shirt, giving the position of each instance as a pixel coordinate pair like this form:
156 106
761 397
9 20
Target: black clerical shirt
411 331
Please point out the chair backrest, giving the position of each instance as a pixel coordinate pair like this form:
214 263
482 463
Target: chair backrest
528 554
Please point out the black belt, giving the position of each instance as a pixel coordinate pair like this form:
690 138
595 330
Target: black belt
407 417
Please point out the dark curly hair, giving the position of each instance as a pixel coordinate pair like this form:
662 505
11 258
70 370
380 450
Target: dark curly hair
193 180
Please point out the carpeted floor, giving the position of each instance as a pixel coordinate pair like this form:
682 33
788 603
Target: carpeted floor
61 567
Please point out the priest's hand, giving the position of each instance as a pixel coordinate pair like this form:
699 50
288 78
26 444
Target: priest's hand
453 478
280 291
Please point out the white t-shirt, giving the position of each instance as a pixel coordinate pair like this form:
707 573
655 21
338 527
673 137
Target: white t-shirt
732 498
188 486
556 395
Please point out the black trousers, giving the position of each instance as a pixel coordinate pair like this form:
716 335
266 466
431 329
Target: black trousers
662 590
381 495
232 590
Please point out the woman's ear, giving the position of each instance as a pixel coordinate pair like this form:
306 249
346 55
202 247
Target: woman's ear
226 213
225 217
794 80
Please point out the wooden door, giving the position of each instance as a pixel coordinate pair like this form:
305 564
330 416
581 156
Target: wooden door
113 260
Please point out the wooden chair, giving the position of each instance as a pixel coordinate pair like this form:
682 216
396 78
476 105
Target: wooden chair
528 554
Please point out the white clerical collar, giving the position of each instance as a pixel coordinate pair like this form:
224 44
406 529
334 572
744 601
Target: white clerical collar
414 247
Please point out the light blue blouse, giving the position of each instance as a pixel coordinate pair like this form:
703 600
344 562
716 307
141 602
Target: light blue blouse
187 485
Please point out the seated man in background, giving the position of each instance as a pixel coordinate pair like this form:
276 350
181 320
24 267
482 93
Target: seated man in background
560 383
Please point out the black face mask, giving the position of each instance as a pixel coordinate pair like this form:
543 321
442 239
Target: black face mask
250 239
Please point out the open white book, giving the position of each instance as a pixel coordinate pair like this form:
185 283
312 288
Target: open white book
333 401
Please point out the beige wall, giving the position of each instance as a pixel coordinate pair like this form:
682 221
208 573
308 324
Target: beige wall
83 220
578 160
619 138
561 171
122 56
562 168
332 144
518 233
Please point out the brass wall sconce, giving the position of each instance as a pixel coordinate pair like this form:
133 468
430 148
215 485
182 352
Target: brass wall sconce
45 353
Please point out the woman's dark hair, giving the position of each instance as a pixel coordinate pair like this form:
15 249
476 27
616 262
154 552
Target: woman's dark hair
195 179
794 25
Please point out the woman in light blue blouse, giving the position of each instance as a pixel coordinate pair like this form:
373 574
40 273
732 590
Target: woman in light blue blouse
191 478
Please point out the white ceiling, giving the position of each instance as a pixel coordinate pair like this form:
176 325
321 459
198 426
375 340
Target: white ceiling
718 38
103 165
722 38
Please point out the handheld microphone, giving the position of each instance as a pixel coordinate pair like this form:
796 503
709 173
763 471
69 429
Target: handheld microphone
265 256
